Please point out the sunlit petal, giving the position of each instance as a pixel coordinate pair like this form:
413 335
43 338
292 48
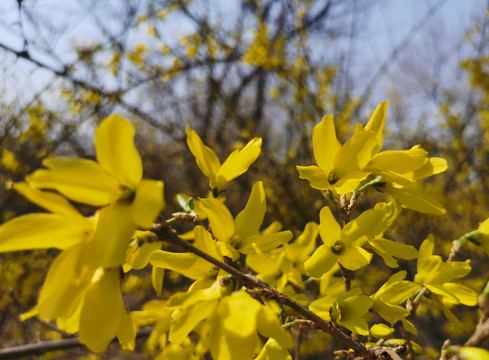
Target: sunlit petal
316 176
249 220
324 143
148 203
81 180
116 152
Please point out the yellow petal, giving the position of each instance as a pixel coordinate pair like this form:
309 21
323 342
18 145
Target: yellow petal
48 200
101 312
187 264
302 247
260 244
148 203
412 198
80 180
184 320
242 323
41 231
369 224
248 221
65 284
115 229
138 256
316 176
205 242
399 161
320 262
220 219
329 229
376 124
205 157
226 250
350 181
157 278
238 162
432 167
273 351
389 312
269 326
356 326
403 251
425 251
354 258
355 154
324 143
466 295
381 331
125 333
116 152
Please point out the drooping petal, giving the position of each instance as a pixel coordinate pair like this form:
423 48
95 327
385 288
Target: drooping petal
114 231
262 244
399 161
220 219
238 162
350 181
329 229
403 251
184 320
80 180
269 326
316 176
432 167
205 242
50 201
412 198
369 224
355 258
187 264
376 124
389 312
41 231
320 262
466 295
302 247
206 158
249 220
125 332
65 284
358 326
452 270
273 351
148 203
243 322
101 312
116 152
354 304
324 143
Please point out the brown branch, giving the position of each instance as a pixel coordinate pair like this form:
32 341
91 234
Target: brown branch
166 233
42 347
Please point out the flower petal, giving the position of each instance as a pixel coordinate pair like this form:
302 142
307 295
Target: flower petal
101 312
376 124
238 162
412 198
320 262
114 231
116 152
50 201
399 162
80 180
187 264
354 258
316 176
220 219
261 244
42 231
206 158
148 203
355 154
249 220
329 229
324 143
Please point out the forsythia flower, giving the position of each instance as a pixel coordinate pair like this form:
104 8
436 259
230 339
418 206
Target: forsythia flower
344 245
236 164
242 235
340 167
115 180
347 309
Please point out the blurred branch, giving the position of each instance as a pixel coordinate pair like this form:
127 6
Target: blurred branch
42 347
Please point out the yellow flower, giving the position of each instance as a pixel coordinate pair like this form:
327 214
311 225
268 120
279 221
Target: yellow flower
344 245
347 309
115 180
243 233
236 164
340 167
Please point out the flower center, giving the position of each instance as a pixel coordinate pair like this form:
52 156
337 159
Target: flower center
332 177
337 247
